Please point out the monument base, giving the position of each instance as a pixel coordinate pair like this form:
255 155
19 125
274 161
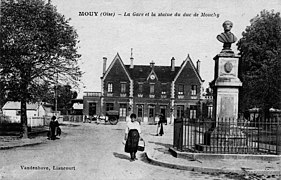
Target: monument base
224 149
226 137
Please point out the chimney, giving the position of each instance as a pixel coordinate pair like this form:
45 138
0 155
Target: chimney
198 66
152 64
173 64
104 65
132 59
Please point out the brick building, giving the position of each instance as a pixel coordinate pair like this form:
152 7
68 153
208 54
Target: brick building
149 90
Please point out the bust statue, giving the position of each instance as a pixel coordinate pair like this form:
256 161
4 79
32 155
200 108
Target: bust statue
227 37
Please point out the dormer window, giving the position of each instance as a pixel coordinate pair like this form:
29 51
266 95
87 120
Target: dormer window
152 88
123 87
194 90
163 88
110 87
140 87
181 89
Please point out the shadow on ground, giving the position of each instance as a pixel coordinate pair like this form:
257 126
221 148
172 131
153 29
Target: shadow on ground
161 144
121 156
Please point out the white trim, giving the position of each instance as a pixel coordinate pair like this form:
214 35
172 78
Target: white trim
173 89
131 88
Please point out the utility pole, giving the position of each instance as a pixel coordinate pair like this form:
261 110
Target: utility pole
56 95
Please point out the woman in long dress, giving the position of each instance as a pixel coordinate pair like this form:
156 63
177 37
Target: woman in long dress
53 128
132 136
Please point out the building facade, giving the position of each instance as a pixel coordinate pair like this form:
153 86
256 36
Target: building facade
148 90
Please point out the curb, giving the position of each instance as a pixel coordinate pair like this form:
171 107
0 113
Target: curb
23 145
209 156
210 170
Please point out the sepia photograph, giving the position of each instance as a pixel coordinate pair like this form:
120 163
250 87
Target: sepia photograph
140 90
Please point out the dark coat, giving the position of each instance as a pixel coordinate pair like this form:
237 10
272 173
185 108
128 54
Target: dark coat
53 128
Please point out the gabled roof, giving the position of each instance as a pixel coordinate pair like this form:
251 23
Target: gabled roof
163 73
116 58
14 105
188 60
141 72
152 72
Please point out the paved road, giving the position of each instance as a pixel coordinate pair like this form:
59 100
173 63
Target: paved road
89 151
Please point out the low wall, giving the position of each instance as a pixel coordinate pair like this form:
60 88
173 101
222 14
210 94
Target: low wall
31 121
73 118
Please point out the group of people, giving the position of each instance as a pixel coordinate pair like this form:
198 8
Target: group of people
133 134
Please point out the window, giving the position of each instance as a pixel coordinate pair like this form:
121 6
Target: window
140 87
152 88
210 111
110 87
181 89
123 87
109 106
164 89
192 113
123 110
194 90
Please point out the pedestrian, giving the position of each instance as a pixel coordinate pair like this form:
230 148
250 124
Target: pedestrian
53 127
162 120
157 119
132 136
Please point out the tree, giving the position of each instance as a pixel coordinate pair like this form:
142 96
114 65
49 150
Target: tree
39 49
260 67
65 95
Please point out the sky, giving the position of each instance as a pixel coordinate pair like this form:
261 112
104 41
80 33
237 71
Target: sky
155 38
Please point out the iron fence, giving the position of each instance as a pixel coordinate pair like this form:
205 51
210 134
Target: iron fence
255 135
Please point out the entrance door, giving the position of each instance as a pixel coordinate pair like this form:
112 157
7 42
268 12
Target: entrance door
140 112
151 114
180 111
163 110
123 111
92 109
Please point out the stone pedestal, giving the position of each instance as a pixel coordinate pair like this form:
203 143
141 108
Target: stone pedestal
225 135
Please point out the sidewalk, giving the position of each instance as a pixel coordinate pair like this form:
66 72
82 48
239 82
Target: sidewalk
159 150
7 142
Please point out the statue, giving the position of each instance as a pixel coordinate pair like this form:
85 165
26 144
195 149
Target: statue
227 37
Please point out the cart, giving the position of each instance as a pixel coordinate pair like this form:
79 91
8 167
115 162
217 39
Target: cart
113 116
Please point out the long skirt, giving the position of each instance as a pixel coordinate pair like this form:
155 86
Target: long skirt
132 141
161 129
